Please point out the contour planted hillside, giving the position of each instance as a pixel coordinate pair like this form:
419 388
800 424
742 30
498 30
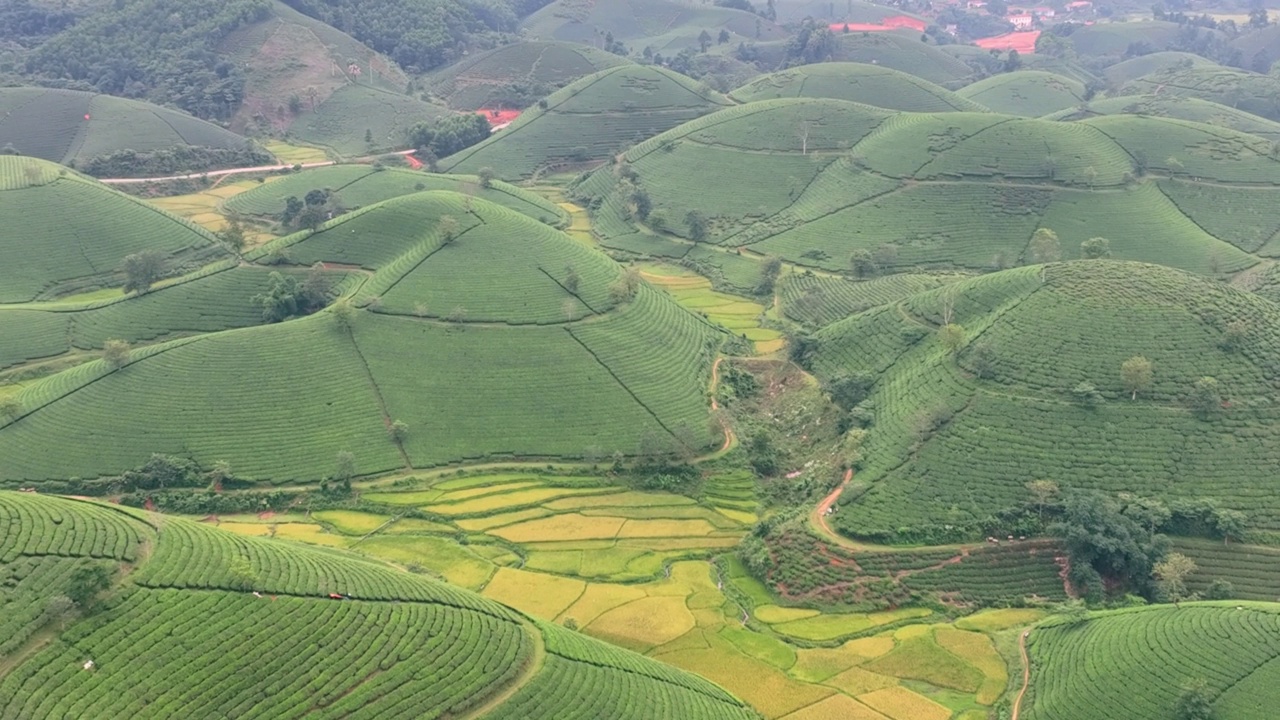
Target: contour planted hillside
474 324
1029 93
1177 108
1091 669
961 428
1250 92
66 233
902 51
856 82
821 180
515 75
72 127
590 119
195 620
667 26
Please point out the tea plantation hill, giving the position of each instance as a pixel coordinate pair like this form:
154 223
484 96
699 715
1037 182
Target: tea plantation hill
195 621
67 233
1089 670
1250 92
667 26
902 50
74 128
980 58
856 82
1259 48
472 325
355 186
1143 65
1112 39
958 433
825 178
1029 93
591 119
516 75
1178 108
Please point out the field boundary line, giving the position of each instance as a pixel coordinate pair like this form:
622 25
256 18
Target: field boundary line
530 670
623 385
377 395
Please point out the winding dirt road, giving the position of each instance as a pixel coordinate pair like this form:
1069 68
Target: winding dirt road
819 514
231 171
1026 673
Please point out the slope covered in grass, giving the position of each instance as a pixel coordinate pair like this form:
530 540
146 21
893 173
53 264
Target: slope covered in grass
515 75
1029 93
180 631
355 186
857 82
474 324
65 232
1089 670
591 119
1177 108
958 434
72 127
1137 67
821 179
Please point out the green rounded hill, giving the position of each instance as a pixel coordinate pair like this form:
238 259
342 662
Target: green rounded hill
1113 39
1090 669
472 324
67 233
823 179
515 75
590 119
74 128
667 26
355 186
1178 108
902 51
1029 93
1250 92
1143 65
179 628
857 82
960 429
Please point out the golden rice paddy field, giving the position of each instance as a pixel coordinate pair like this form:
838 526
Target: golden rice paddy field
640 570
693 291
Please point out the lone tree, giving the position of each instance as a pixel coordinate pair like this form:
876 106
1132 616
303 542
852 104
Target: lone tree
1206 397
1045 246
952 336
624 289
704 40
1135 373
698 225
1193 704
85 584
1171 574
486 175
1042 492
398 431
448 225
863 264
116 353
1095 248
141 270
571 279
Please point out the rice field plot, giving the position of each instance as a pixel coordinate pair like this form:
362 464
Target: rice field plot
72 233
1029 93
738 316
355 186
295 154
857 82
818 300
205 207
590 119
1229 647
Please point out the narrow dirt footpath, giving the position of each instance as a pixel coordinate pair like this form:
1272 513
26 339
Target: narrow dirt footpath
1026 673
530 669
819 514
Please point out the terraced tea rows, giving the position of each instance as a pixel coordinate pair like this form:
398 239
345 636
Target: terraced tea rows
864 83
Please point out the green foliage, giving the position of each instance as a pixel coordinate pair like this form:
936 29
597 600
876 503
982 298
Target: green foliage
85 584
1104 543
1206 397
450 134
870 84
116 353
1095 248
141 270
287 296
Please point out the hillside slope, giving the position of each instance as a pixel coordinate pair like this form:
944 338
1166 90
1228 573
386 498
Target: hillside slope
1029 93
515 321
957 434
1090 670
667 26
76 128
591 119
823 179
67 233
202 622
516 75
856 82
1250 92
1178 108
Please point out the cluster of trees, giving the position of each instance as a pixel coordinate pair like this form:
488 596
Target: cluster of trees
447 135
171 161
317 206
287 296
161 50
422 34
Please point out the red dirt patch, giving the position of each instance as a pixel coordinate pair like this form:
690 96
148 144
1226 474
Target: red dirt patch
1023 42
497 116
890 23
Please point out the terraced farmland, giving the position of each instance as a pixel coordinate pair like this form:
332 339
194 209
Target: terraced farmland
856 82
946 190
902 50
488 79
1029 93
1021 419
395 645
341 121
1250 92
1182 108
71 127
664 25
590 119
1091 670
573 353
818 300
68 233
